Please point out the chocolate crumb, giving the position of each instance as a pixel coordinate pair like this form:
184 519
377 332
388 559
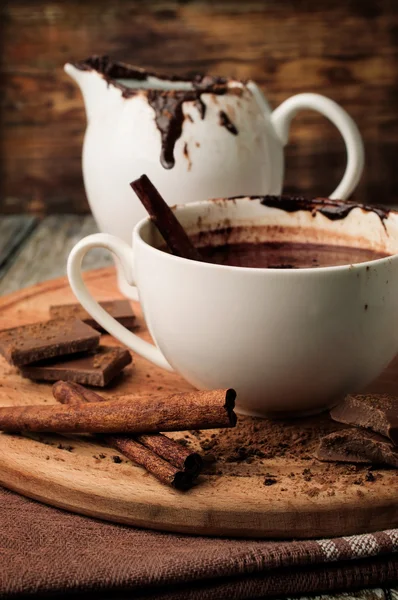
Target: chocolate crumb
207 444
182 441
116 459
369 476
62 447
270 481
196 432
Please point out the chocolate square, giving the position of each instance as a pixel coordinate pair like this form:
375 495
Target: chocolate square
97 368
29 343
118 309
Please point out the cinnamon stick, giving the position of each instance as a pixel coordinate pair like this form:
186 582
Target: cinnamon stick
161 469
74 394
178 412
172 451
165 220
180 457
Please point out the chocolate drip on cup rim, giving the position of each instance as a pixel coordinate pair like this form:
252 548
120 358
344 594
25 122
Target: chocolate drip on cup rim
331 209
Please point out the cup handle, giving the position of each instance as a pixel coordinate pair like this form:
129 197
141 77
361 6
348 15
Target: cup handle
124 253
283 115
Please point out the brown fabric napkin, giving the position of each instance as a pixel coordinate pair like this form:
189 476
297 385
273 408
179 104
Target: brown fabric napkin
46 551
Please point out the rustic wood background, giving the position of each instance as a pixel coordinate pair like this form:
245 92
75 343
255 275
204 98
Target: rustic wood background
346 50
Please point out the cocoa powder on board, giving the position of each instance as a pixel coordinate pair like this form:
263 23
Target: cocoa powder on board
280 453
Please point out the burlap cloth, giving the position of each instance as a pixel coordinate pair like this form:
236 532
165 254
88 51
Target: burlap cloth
46 552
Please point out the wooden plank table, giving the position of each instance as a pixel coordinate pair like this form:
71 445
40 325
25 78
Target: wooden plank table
33 250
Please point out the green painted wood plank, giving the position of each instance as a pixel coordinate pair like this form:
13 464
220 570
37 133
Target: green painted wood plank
45 253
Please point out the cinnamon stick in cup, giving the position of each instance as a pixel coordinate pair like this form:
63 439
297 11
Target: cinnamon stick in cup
178 412
165 220
164 447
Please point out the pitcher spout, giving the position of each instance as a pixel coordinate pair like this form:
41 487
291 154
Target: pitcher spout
73 72
91 84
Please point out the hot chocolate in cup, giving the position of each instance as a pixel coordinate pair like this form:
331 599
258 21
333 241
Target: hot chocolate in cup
290 334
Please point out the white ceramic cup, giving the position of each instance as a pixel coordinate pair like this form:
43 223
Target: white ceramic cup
289 341
122 141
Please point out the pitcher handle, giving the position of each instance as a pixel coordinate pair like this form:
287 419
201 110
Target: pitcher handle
124 254
281 119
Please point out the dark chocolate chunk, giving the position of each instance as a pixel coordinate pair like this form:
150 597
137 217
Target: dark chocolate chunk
118 309
357 446
30 343
96 369
378 412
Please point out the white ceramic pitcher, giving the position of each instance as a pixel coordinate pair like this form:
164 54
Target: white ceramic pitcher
195 138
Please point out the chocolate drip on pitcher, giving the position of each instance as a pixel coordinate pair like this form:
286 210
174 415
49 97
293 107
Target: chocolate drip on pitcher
167 104
112 70
169 116
226 122
201 106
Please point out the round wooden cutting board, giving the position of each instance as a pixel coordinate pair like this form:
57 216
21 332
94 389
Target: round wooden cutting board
282 493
